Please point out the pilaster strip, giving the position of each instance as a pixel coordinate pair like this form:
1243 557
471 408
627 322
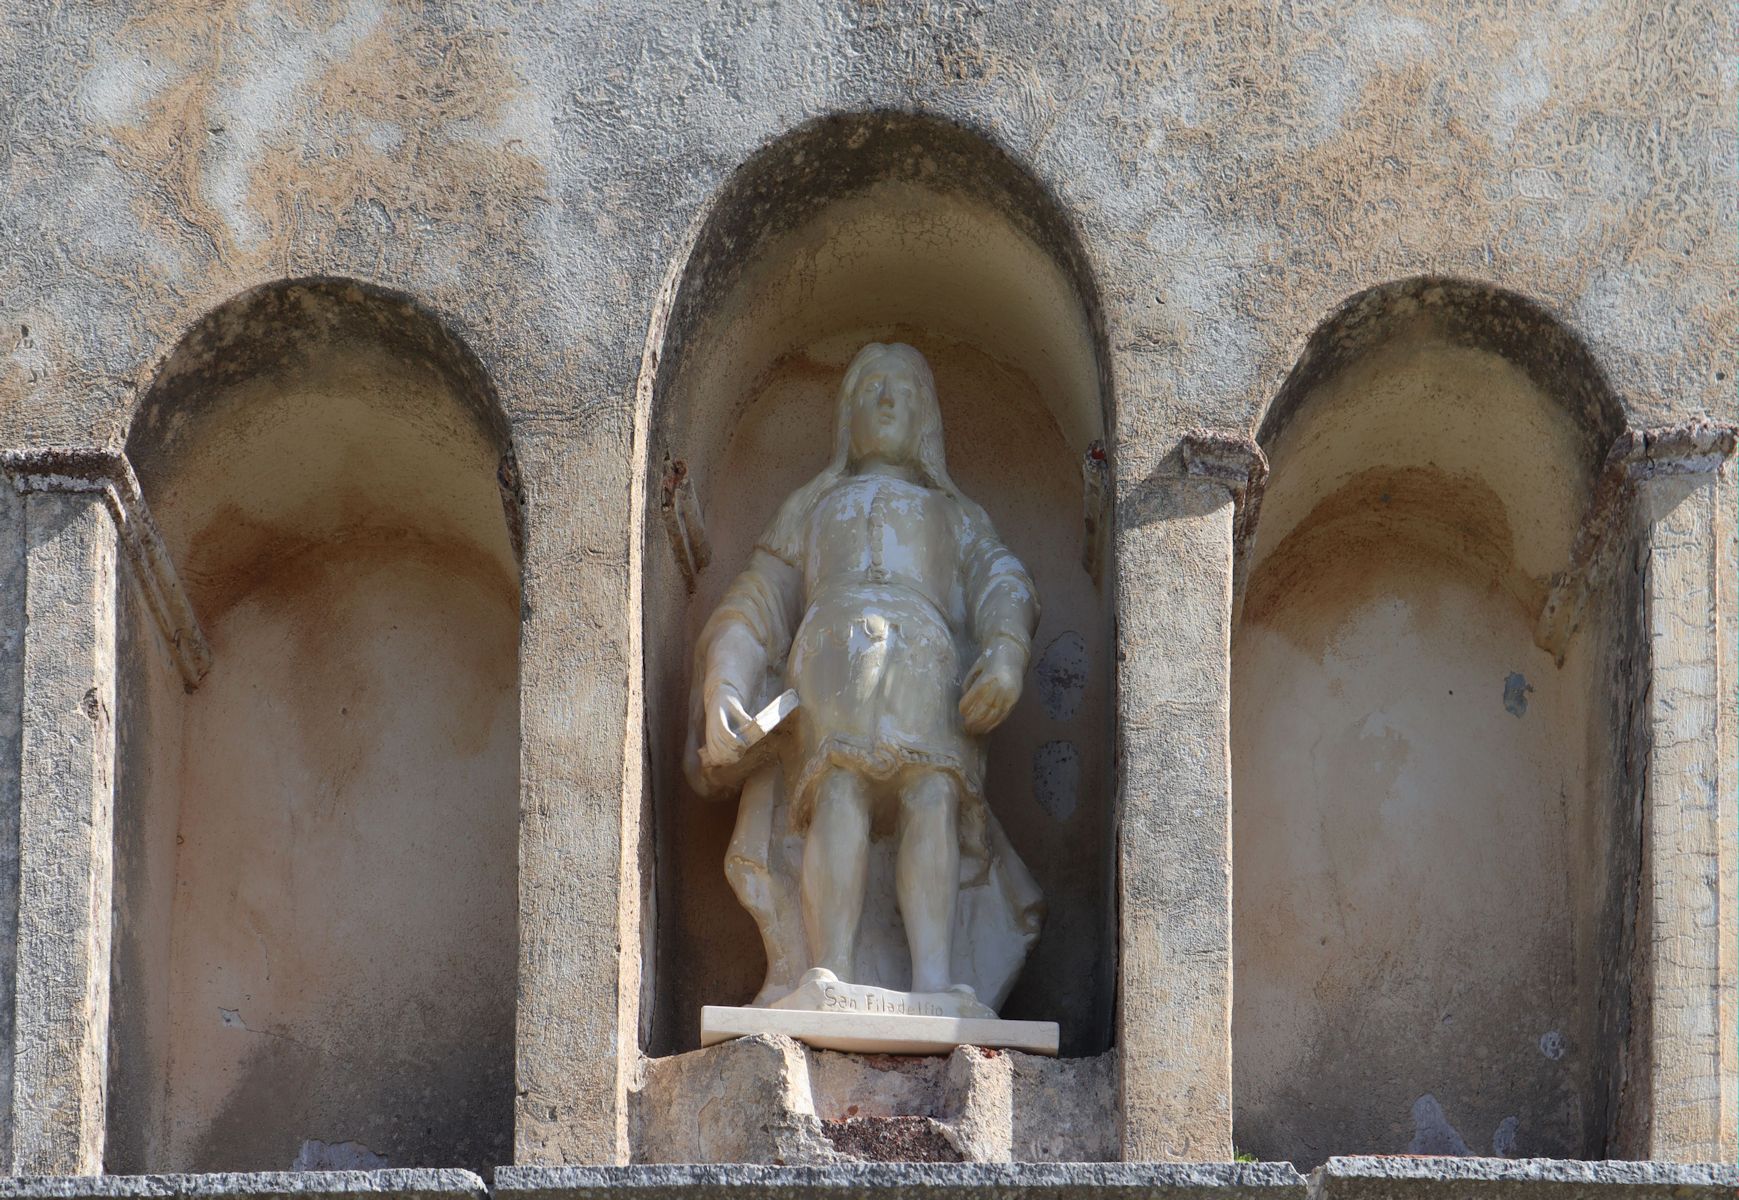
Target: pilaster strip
65 847
92 469
1689 1002
1174 614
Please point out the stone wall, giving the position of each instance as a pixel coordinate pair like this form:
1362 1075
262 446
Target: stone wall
528 186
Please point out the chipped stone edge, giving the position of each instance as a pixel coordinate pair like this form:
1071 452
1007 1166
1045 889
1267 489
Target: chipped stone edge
1351 1176
1237 463
937 1181
303 1185
1691 448
91 469
680 509
1472 1177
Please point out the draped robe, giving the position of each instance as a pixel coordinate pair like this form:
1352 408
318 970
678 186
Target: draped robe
872 596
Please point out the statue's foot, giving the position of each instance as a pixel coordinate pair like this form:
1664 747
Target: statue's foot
820 990
808 992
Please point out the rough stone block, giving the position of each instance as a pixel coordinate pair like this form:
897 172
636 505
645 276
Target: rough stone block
911 1181
1687 827
266 1185
767 1099
1410 1178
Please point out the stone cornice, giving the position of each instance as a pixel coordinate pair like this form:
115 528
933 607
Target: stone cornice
1637 455
92 469
1702 447
1237 463
1691 448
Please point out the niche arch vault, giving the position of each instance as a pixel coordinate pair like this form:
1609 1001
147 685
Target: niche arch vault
1435 818
846 230
315 942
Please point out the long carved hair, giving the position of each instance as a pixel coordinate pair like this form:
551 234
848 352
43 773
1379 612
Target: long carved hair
927 456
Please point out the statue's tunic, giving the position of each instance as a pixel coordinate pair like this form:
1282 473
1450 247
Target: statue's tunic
875 661
893 588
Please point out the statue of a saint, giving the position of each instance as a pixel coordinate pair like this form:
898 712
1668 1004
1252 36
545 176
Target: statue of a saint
882 597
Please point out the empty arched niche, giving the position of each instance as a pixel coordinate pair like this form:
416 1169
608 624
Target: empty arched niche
316 872
884 228
1434 840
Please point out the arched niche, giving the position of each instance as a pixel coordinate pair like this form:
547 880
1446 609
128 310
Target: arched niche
316 871
852 229
1434 835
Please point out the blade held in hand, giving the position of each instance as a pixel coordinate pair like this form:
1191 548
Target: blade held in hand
768 719
756 748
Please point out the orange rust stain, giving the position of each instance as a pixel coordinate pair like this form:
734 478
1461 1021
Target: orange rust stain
1412 169
235 555
427 85
331 600
335 605
1348 549
799 364
317 178
167 145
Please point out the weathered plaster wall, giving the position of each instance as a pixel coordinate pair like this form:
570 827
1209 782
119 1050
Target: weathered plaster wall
343 949
1235 172
1420 796
319 858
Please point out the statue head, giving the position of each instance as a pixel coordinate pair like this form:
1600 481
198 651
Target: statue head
888 411
910 435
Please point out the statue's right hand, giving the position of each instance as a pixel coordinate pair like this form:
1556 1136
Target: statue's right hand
725 716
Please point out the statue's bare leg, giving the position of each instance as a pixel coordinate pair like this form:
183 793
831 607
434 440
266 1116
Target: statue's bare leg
835 864
927 876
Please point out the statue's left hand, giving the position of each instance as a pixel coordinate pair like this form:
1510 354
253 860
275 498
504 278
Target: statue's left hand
992 686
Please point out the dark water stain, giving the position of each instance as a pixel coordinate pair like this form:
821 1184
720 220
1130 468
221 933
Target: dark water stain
1516 689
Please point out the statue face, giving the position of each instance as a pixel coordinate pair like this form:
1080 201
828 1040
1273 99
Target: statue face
884 413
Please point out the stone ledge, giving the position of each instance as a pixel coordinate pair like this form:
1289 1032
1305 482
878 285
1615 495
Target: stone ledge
859 1032
1365 1178
1352 1178
910 1181
300 1185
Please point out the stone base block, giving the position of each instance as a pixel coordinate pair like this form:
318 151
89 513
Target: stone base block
1393 1178
773 1100
877 1032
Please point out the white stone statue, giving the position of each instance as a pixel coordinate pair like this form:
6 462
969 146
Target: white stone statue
881 596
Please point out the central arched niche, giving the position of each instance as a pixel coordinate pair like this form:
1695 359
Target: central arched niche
1434 834
316 873
884 227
